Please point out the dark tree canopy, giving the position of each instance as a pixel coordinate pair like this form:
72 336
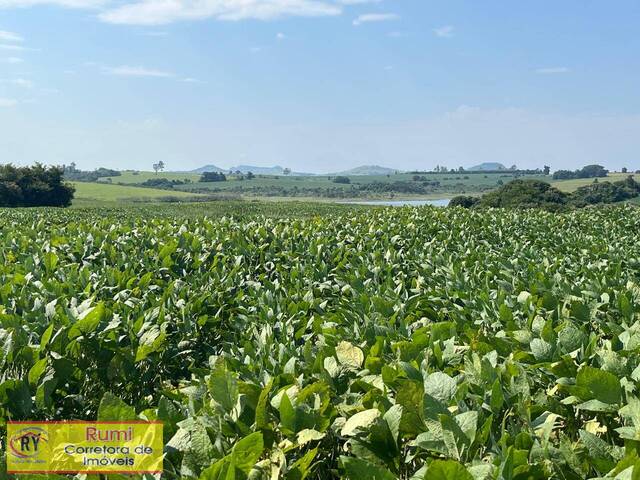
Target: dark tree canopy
525 194
590 171
464 201
606 192
36 186
213 177
538 194
342 179
72 173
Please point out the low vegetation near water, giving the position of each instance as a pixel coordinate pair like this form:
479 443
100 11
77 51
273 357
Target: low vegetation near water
539 194
412 343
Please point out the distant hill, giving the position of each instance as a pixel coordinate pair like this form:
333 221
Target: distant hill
487 166
209 168
369 170
275 170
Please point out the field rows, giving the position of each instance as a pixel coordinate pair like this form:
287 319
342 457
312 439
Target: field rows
384 343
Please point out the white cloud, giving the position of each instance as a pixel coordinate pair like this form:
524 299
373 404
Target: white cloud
552 70
160 12
357 2
129 71
13 60
375 17
60 3
19 82
10 37
17 48
445 31
8 102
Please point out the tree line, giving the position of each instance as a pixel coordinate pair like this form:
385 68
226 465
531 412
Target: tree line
35 186
538 194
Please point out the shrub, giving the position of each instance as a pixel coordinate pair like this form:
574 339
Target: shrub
606 192
590 171
341 179
526 194
161 183
213 177
464 201
36 186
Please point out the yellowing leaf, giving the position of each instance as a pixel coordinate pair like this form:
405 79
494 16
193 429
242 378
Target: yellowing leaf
349 355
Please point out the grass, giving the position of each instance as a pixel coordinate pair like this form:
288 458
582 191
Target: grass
572 185
104 192
452 184
319 186
131 177
312 181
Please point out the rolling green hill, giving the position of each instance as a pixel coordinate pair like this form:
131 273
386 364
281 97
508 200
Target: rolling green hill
104 192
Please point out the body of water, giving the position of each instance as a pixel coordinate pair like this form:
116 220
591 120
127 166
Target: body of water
443 202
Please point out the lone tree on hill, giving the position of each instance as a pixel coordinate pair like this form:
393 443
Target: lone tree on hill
158 166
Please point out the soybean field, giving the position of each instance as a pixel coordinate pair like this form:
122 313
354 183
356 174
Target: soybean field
356 343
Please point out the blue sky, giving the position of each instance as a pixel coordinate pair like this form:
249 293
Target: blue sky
319 85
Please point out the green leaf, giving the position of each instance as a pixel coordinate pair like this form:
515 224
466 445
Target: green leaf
223 386
447 470
580 311
169 415
45 390
302 467
261 408
15 396
357 469
37 370
88 322
168 250
602 386
359 421
600 452
113 408
393 417
50 261
217 471
409 395
193 441
542 351
247 451
308 435
497 397
153 340
440 386
287 414
454 438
